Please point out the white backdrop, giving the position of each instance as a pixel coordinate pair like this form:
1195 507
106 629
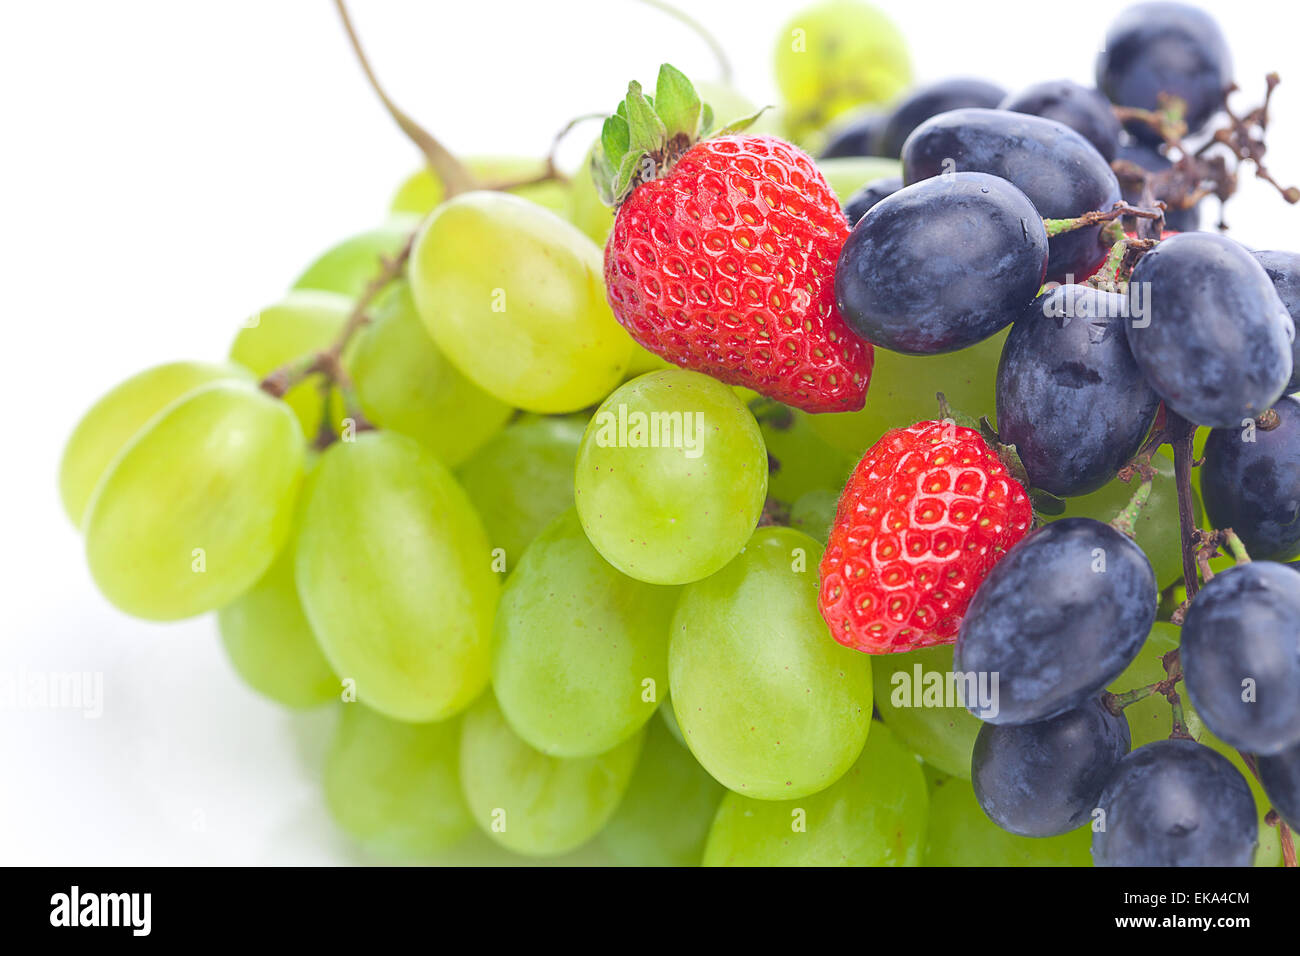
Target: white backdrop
168 168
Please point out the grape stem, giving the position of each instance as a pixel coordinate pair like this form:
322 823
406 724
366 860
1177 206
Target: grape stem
1167 121
1126 521
328 362
455 176
1273 818
1196 174
1056 227
550 169
725 72
1181 433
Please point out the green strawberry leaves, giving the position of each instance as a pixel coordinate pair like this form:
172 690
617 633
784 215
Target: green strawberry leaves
645 136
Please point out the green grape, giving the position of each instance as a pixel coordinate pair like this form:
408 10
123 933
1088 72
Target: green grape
961 835
585 209
942 736
874 815
1156 527
271 645
395 787
394 575
118 416
303 322
903 390
531 803
579 651
405 384
664 818
349 267
814 513
1151 719
847 174
796 706
799 460
670 719
729 105
834 55
196 506
522 479
671 477
643 360
421 192
515 298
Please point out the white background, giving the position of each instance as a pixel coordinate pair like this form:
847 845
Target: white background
168 168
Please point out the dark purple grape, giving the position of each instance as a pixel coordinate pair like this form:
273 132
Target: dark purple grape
1043 779
941 265
932 100
1241 656
857 136
1280 775
1284 269
1150 159
1155 48
868 196
1070 397
1211 335
1081 108
1176 803
1061 172
1253 486
1057 619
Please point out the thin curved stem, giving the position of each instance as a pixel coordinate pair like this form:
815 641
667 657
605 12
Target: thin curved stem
456 177
724 64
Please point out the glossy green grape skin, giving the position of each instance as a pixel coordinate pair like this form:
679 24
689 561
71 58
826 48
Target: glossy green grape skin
515 298
585 208
942 736
1151 719
960 834
394 787
1156 526
349 267
522 479
903 391
799 460
303 322
847 174
574 645
833 55
670 515
670 720
664 818
404 383
118 416
197 505
729 105
270 644
797 705
874 815
531 803
394 575
421 192
814 513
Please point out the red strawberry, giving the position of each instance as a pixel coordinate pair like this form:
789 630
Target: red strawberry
926 514
722 256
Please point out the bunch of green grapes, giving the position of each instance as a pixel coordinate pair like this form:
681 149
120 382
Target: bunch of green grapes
558 596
